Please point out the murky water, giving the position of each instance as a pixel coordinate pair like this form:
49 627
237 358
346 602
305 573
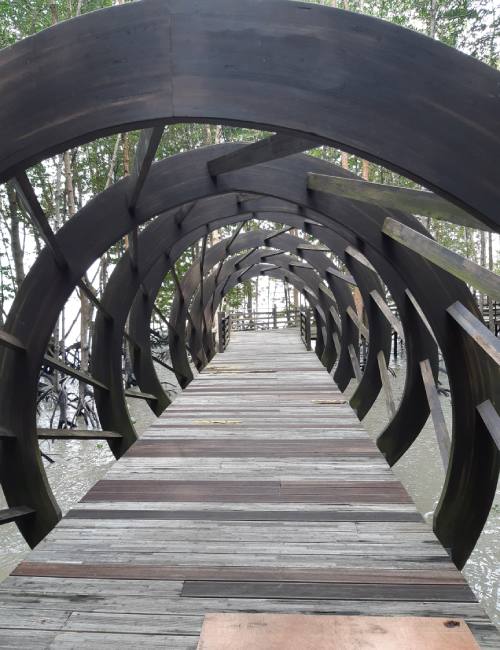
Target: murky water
79 464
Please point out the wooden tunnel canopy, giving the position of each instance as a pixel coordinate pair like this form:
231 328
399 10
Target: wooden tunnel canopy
401 107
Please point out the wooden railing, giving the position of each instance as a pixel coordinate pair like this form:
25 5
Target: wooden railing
224 330
264 320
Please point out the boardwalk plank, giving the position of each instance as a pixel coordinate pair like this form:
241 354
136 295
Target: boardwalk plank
257 490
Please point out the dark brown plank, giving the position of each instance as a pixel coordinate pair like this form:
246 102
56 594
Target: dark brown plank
242 574
228 447
249 491
329 591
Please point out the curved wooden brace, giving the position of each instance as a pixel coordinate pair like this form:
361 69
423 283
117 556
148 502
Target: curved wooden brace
413 97
380 331
311 282
467 469
214 255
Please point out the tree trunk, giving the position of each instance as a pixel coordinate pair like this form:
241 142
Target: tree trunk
15 236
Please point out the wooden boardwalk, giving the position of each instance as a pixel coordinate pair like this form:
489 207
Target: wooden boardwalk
257 491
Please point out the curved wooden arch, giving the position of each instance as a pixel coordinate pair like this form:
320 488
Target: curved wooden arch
381 91
285 180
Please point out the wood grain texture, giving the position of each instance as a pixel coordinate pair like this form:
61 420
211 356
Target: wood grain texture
264 515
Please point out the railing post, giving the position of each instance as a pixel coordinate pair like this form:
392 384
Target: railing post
221 332
275 318
307 329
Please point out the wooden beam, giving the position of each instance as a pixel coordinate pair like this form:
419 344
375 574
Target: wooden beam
359 324
244 257
183 212
133 248
28 198
386 385
419 311
355 363
149 141
138 395
336 342
476 330
491 419
271 148
420 202
442 435
386 311
8 515
162 363
83 286
234 235
202 277
486 281
73 372
76 434
313 248
277 233
345 277
11 342
353 252
336 318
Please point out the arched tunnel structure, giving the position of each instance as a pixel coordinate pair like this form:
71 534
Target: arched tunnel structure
313 76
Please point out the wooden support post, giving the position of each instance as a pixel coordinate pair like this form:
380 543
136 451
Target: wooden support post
275 317
355 363
221 332
442 435
307 329
386 384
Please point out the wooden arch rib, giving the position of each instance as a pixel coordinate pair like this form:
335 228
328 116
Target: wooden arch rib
292 265
172 60
473 468
275 241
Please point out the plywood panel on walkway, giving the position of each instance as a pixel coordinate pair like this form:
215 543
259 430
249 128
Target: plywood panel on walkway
257 491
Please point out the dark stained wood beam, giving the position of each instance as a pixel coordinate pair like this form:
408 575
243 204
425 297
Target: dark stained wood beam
84 377
345 277
29 200
11 342
419 311
89 292
244 257
162 363
277 233
234 235
76 434
138 395
476 330
149 141
8 515
462 268
202 276
386 311
271 148
354 253
420 202
355 363
363 330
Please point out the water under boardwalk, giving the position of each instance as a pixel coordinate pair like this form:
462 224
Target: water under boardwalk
257 491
